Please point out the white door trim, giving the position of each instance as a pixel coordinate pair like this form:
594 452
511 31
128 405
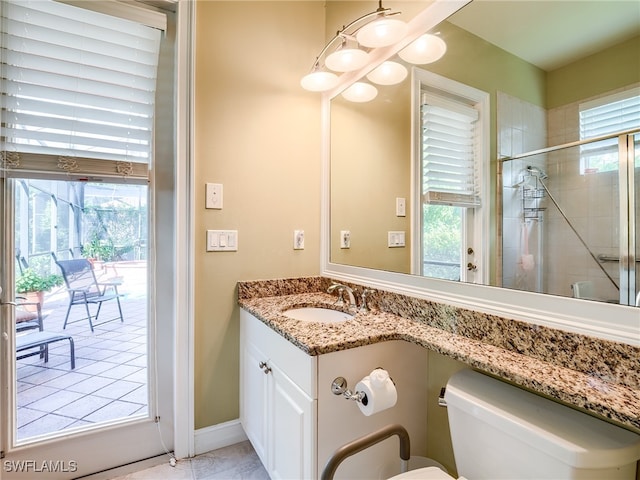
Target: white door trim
184 441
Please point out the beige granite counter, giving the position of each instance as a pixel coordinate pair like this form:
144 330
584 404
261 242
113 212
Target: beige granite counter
598 376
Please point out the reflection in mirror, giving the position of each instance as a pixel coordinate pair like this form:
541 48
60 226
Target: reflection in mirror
564 222
370 168
536 102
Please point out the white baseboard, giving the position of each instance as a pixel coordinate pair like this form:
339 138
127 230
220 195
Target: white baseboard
218 436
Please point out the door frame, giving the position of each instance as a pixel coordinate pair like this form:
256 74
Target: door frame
184 408
182 363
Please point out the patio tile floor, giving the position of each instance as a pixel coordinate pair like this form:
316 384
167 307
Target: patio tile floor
109 380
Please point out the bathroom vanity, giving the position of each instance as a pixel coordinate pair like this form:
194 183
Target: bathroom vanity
596 376
295 422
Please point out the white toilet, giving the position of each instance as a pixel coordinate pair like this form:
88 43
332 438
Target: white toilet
499 431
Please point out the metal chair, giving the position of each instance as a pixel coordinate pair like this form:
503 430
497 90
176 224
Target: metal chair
28 318
84 289
33 319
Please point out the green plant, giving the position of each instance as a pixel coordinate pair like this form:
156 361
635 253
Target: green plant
98 250
32 281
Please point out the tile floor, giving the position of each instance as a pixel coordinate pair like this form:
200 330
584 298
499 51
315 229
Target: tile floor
109 380
230 463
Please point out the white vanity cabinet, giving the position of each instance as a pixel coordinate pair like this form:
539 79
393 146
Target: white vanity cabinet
295 422
277 400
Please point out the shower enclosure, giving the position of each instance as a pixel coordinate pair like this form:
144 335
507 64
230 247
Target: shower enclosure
569 219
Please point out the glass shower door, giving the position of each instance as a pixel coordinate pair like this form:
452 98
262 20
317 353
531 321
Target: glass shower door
570 223
631 146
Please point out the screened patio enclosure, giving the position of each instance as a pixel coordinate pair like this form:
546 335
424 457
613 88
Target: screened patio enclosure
100 221
106 223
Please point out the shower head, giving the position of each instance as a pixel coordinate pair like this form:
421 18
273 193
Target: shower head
538 172
529 177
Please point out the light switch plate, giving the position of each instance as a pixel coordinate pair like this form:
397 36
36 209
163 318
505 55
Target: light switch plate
396 239
213 194
298 239
401 207
222 240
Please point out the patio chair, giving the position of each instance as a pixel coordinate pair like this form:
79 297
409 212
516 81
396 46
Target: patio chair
30 320
84 289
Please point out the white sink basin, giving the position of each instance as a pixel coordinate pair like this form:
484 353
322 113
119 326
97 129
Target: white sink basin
317 314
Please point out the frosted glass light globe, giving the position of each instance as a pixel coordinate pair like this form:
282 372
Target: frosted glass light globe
360 92
347 60
382 32
319 81
388 73
427 48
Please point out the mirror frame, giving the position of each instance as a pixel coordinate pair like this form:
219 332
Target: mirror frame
597 319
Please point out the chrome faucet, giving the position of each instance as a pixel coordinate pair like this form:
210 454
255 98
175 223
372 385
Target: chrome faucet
363 304
343 288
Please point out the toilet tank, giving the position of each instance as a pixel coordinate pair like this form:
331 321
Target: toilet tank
500 431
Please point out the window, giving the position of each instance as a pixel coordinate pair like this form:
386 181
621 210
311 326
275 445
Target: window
607 115
449 158
451 178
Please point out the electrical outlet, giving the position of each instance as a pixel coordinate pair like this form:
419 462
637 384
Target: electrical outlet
298 239
345 239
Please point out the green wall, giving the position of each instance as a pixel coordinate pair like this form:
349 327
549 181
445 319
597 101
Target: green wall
608 70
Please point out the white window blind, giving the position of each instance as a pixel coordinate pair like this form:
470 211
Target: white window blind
449 153
611 114
78 90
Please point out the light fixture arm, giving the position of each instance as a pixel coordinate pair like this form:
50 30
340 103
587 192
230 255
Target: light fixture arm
342 33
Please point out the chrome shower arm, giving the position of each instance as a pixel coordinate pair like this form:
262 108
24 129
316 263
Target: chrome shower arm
595 259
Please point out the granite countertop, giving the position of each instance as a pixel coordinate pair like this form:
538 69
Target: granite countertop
607 388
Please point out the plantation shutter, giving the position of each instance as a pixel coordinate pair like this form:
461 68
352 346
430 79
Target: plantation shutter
611 114
449 157
78 92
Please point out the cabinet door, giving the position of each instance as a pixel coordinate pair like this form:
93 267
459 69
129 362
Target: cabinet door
253 398
292 420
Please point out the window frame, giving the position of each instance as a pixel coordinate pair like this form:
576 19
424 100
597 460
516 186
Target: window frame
586 151
476 220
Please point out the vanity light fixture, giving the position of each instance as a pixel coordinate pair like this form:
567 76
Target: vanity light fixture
383 31
357 40
388 73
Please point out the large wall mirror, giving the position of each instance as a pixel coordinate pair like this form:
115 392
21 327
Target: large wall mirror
555 225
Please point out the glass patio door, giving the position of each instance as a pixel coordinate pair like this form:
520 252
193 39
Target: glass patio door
85 391
58 226
76 189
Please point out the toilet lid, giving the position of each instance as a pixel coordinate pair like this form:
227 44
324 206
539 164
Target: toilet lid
429 473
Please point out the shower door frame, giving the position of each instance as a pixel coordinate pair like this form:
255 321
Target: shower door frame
627 218
626 180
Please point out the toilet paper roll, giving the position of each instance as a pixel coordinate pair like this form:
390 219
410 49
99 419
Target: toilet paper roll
376 399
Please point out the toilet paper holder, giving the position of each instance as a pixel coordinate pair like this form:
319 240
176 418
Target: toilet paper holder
339 387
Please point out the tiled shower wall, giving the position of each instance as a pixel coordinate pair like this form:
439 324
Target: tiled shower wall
590 201
522 127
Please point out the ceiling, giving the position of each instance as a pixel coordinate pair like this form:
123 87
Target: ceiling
551 33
